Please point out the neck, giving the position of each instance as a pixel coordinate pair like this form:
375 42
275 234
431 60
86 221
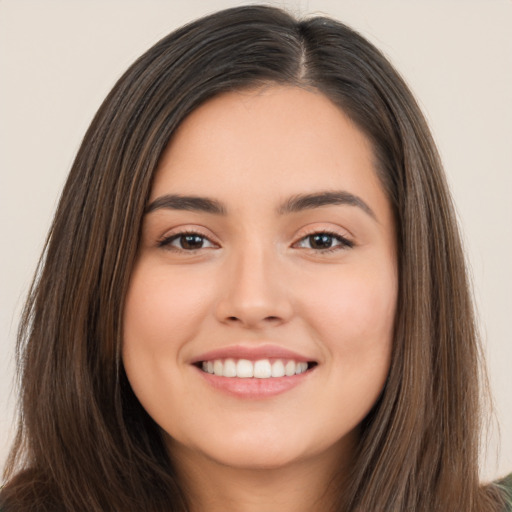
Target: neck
302 486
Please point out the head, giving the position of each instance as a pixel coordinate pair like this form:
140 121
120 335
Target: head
76 312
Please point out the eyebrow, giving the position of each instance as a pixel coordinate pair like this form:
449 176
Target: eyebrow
328 198
294 204
191 203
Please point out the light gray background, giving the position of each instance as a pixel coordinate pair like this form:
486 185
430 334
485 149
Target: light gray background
58 59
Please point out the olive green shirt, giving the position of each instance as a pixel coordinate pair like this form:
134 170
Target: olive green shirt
505 484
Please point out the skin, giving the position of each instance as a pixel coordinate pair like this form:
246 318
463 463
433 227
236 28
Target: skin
260 279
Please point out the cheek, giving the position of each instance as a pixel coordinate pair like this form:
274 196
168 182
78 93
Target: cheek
163 311
354 312
350 312
163 308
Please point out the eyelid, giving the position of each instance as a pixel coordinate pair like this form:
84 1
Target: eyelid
165 241
347 242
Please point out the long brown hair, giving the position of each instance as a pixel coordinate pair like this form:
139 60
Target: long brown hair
84 441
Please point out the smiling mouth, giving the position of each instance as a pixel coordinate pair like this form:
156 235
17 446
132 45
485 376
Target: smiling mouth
259 369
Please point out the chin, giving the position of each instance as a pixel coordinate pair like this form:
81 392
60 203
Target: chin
255 448
257 458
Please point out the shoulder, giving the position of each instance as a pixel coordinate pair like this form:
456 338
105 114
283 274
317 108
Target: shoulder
506 485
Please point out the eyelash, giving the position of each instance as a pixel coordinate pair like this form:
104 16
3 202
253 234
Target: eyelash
344 243
167 241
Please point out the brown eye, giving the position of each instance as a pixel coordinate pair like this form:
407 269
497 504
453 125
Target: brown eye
324 242
321 241
190 242
186 242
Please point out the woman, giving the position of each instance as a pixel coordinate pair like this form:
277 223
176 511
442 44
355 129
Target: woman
253 295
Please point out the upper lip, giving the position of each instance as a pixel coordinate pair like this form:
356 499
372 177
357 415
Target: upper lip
252 353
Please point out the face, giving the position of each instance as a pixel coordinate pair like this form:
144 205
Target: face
259 319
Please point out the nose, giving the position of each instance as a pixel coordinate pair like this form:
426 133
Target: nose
254 293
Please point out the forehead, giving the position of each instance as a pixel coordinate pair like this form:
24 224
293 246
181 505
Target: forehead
269 142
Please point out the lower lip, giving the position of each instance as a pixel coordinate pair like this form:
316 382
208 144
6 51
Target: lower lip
253 388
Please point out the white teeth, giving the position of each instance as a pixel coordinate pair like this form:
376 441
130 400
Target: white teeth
261 369
229 369
278 368
301 367
217 367
244 369
289 369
